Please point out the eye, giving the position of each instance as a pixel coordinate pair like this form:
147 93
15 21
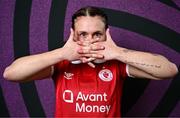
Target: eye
97 35
83 35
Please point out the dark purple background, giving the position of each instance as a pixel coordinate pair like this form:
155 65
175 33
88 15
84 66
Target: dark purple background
38 40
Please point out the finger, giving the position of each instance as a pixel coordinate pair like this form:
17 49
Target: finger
96 47
92 47
91 59
71 36
92 50
99 56
86 60
84 50
84 43
87 42
94 40
83 59
87 51
91 65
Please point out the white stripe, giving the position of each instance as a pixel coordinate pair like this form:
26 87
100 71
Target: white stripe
76 62
127 71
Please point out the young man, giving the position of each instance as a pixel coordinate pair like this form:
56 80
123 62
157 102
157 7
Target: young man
80 89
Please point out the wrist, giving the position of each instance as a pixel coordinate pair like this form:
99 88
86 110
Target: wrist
118 55
59 54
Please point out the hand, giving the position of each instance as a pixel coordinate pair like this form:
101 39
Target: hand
106 48
90 50
111 48
71 47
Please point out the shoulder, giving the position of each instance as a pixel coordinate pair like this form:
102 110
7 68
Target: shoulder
61 65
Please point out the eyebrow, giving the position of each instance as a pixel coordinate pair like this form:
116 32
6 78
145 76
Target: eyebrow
100 32
93 32
82 32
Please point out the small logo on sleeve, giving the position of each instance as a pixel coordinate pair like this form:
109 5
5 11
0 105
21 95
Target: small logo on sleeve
105 75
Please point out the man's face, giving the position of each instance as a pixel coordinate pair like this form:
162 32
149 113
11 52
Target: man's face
89 28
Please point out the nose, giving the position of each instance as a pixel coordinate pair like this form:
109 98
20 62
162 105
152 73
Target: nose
86 38
89 38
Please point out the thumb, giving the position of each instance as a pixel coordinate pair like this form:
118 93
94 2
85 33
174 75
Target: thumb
71 36
108 36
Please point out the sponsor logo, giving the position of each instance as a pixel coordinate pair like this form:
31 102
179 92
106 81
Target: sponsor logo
68 96
85 101
106 75
68 75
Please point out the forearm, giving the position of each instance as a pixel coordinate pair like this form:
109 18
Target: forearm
26 67
153 64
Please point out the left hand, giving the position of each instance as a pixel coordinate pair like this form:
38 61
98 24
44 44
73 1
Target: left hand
111 48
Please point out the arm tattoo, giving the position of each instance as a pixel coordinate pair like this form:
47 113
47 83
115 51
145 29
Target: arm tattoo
143 64
127 50
139 63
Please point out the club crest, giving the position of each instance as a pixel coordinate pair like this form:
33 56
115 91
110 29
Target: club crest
105 75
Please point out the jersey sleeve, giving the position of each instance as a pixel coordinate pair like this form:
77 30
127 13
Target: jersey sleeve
123 70
127 71
58 68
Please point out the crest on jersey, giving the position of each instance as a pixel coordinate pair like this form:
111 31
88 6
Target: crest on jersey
105 75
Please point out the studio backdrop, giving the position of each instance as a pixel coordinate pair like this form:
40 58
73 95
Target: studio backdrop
36 26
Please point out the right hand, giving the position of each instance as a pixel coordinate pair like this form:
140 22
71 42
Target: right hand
70 48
